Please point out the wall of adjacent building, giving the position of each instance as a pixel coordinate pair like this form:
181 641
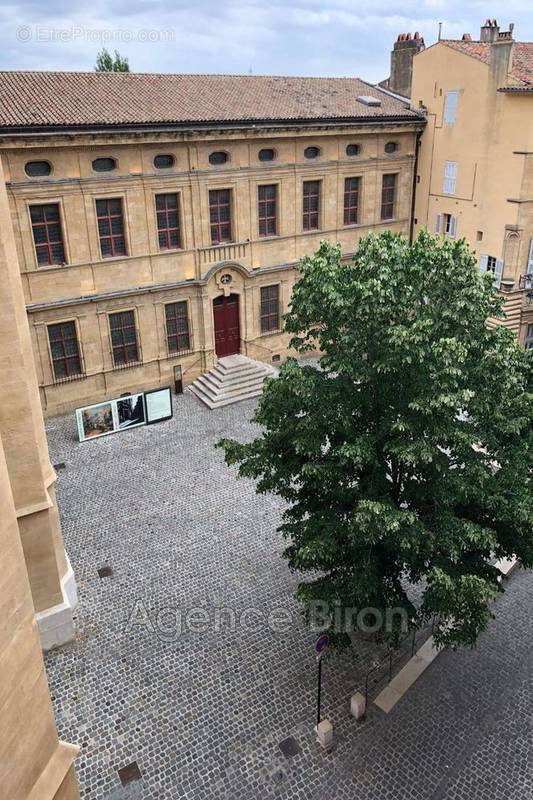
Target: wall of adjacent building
490 141
88 287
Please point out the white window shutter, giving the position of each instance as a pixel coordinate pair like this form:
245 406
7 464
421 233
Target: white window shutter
530 257
450 177
453 227
483 263
450 107
438 223
498 273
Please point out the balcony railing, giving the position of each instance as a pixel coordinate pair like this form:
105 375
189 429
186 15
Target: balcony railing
223 252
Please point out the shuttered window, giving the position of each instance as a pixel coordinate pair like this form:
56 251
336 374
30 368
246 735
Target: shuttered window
450 225
123 337
47 234
450 107
111 228
269 308
450 177
528 342
267 212
177 321
64 349
494 265
311 206
388 196
168 226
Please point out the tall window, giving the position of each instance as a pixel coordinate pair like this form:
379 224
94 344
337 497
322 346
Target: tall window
168 226
450 177
528 343
311 205
123 337
450 107
47 234
66 360
388 196
111 227
267 201
220 215
494 265
178 338
351 200
269 308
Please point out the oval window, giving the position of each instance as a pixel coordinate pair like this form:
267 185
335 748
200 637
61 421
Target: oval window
164 162
267 154
36 169
104 164
353 149
218 157
312 152
391 147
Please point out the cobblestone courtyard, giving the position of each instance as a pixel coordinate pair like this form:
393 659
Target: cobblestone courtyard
203 714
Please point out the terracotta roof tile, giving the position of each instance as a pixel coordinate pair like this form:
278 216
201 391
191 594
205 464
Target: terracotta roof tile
522 63
69 99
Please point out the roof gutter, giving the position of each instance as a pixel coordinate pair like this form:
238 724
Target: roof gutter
52 130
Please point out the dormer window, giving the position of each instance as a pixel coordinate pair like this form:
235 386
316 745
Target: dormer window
104 164
164 162
218 157
37 169
311 152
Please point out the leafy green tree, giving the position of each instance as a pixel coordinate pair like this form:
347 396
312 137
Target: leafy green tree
407 457
105 62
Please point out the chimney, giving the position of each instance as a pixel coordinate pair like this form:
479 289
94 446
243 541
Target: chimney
501 56
489 31
401 62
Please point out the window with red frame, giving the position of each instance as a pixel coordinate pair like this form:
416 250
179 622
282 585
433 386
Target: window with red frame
111 227
267 202
311 205
47 234
123 337
269 308
65 351
220 215
351 200
388 196
168 224
178 339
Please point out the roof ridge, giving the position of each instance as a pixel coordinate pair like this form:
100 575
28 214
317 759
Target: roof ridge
179 74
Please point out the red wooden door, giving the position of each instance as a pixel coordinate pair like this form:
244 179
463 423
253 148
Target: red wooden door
226 319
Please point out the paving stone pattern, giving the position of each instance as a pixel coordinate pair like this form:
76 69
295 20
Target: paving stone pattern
203 714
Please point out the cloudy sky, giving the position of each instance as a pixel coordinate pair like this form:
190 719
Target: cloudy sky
296 37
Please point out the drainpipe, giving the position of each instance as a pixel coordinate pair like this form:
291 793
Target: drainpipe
413 193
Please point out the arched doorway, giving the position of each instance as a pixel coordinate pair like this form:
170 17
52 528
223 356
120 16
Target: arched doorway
226 322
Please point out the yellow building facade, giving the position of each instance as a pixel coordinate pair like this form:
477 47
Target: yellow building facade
193 208
476 157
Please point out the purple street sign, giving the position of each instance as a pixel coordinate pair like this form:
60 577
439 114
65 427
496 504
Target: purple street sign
321 644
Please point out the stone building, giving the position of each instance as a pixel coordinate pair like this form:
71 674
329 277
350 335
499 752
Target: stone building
159 219
37 588
401 63
476 157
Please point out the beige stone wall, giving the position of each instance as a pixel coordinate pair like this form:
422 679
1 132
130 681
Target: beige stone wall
34 765
22 430
89 287
491 141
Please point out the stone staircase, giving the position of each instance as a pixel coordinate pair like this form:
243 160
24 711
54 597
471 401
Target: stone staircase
233 378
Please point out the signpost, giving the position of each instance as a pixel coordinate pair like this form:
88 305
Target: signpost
321 645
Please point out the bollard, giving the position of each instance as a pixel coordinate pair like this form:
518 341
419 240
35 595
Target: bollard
357 705
324 734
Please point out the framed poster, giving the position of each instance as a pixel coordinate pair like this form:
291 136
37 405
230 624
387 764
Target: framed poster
110 416
158 404
95 421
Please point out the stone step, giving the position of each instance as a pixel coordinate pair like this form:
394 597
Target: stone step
212 404
221 392
232 379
